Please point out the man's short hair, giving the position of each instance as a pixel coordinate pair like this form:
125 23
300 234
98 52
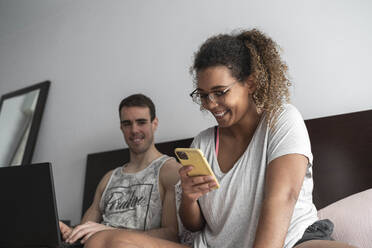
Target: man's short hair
138 100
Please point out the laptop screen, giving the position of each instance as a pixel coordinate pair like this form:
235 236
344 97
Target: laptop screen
28 212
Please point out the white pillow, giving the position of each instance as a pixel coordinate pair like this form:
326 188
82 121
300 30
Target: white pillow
352 217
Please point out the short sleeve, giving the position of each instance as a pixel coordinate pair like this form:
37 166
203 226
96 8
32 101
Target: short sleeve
195 143
202 138
289 135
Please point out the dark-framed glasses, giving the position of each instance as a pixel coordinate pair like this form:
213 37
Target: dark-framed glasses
216 96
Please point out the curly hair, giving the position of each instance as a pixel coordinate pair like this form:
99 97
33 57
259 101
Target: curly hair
249 53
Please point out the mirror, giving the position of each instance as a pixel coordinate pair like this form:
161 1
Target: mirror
20 116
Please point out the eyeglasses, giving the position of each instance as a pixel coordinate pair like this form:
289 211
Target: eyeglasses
215 96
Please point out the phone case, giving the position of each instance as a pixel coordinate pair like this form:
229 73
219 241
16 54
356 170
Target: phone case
195 157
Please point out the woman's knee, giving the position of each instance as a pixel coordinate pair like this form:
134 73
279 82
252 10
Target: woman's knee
98 240
112 239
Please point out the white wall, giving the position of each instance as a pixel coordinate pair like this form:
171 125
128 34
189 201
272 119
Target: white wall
97 52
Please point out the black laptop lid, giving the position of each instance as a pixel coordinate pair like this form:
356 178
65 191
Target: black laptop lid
28 213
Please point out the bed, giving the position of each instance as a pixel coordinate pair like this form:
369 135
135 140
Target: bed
342 167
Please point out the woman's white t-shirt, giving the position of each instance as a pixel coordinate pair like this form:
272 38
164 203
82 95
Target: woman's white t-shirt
232 211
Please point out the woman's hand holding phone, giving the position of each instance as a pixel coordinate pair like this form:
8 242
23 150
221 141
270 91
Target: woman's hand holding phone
194 187
197 177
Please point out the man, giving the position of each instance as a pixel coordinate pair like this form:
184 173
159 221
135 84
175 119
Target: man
140 194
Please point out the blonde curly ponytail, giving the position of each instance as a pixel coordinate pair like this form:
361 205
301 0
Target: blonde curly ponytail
269 71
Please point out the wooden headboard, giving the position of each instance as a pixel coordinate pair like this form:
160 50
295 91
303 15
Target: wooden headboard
341 145
342 149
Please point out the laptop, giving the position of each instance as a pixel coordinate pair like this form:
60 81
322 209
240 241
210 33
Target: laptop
28 210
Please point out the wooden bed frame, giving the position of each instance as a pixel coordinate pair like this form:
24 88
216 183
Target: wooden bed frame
341 145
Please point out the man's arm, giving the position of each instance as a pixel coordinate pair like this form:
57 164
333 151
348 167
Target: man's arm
93 213
167 180
90 221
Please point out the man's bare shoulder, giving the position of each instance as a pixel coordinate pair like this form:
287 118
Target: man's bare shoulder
102 184
169 175
170 166
108 175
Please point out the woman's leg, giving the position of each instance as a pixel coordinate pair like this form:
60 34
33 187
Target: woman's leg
323 244
128 239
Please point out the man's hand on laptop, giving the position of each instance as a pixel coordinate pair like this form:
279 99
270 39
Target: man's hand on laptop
65 230
81 232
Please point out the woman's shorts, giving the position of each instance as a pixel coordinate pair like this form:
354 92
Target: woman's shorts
319 230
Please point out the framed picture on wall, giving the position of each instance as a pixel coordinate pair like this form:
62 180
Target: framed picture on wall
20 116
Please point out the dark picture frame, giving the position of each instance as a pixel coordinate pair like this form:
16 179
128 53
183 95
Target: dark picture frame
30 142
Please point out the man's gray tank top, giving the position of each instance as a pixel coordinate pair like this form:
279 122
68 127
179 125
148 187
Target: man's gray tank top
132 200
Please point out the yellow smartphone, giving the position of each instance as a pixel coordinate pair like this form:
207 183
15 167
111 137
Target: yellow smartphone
195 157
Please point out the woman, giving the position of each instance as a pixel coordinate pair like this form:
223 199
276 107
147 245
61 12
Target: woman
260 152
